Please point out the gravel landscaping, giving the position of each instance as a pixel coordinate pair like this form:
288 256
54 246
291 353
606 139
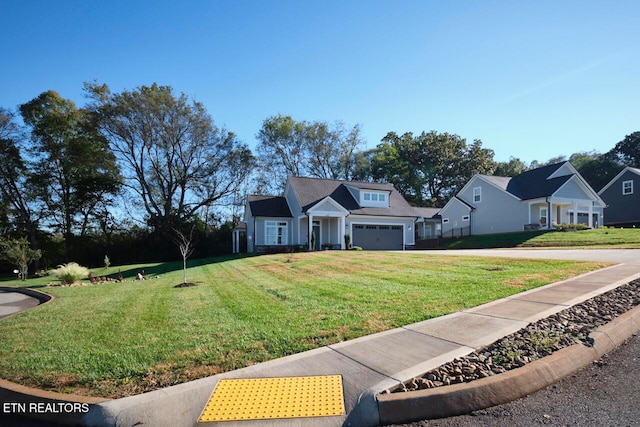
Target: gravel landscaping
533 342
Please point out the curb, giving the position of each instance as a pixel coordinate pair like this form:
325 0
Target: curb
39 295
47 405
459 399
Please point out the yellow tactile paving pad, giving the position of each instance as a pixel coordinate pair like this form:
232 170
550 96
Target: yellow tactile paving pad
270 398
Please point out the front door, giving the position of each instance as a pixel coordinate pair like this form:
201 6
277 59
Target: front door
316 233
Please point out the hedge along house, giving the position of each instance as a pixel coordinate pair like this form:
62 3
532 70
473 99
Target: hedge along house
536 199
318 213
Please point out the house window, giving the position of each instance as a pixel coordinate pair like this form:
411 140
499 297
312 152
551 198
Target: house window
445 220
275 233
465 217
477 194
374 199
543 216
627 188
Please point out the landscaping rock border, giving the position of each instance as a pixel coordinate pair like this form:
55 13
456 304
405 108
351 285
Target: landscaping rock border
535 341
620 304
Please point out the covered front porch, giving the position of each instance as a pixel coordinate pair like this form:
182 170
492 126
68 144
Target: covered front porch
553 211
323 226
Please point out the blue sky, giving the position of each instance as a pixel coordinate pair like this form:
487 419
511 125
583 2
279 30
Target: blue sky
531 79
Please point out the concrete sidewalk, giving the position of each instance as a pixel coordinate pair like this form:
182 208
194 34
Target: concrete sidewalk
367 365
370 364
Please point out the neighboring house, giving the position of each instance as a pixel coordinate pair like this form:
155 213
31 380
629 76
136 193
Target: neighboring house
324 211
428 224
622 196
536 199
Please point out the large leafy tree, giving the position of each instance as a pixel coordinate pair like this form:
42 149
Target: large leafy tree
628 150
514 166
597 169
431 167
331 149
175 161
16 195
73 171
318 149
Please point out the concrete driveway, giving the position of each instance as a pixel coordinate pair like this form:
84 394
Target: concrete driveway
15 302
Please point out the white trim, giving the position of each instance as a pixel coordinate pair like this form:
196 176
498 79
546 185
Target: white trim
390 224
278 226
316 212
572 171
622 172
478 176
479 195
545 216
586 189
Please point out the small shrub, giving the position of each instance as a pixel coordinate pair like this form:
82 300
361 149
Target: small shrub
571 227
70 273
107 261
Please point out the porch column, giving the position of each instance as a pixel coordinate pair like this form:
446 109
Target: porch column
310 231
550 214
235 240
341 232
591 215
575 213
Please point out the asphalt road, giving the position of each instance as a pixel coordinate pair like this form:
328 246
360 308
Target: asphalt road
604 393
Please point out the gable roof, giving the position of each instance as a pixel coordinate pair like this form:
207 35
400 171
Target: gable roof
310 191
428 213
274 206
618 176
536 183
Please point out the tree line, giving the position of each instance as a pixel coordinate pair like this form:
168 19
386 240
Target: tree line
123 174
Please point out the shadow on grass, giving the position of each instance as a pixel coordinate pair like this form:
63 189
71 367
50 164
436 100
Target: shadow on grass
130 273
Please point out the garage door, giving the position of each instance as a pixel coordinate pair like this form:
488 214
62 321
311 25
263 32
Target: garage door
378 237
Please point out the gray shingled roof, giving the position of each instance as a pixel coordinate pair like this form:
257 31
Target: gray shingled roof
275 206
428 212
312 190
534 183
531 184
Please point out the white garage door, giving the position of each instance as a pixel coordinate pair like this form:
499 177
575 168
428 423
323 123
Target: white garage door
378 237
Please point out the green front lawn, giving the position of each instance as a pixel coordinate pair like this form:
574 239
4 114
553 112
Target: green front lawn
120 339
595 238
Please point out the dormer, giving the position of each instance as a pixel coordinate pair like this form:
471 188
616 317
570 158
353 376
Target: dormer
370 198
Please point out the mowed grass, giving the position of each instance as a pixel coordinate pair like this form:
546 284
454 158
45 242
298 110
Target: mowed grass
594 238
120 339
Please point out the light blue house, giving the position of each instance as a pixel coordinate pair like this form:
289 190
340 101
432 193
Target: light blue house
315 213
536 199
